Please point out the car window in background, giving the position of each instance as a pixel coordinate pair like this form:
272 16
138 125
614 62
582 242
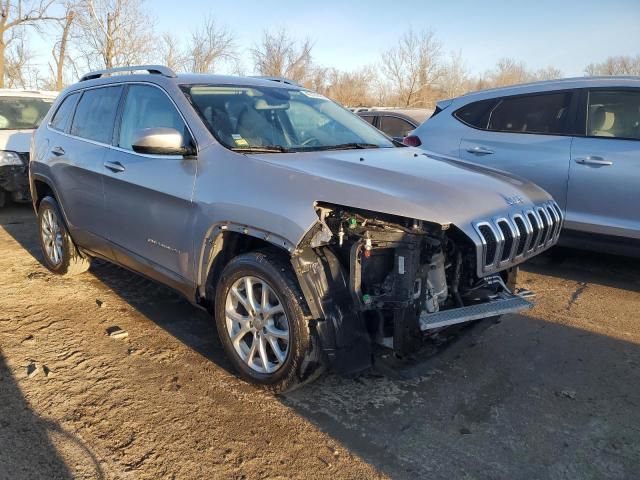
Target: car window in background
544 114
147 107
614 114
62 115
369 118
476 114
395 126
18 113
96 113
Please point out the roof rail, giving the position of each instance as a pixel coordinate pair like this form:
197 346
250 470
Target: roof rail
152 69
277 79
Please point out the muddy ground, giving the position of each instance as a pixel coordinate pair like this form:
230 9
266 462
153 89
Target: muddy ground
554 394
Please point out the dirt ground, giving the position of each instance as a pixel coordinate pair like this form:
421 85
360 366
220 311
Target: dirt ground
554 394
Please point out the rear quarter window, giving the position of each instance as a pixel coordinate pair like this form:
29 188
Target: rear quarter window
61 118
476 114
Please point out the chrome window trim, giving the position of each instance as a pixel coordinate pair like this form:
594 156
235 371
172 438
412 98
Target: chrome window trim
115 147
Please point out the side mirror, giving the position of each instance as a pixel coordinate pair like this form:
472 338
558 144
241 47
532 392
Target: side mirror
159 141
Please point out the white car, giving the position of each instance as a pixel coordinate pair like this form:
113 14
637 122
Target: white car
20 114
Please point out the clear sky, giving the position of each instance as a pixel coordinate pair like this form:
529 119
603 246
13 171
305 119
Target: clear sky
348 34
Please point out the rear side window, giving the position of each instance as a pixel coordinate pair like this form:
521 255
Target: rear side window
96 114
395 126
368 118
61 118
475 114
614 114
546 114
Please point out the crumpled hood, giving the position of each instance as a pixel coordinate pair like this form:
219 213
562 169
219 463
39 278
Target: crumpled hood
410 183
15 140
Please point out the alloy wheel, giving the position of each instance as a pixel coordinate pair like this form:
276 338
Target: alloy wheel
257 324
52 239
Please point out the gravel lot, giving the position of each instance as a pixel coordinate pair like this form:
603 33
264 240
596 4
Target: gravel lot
553 394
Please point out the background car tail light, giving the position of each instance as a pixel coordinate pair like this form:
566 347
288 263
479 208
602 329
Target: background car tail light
412 141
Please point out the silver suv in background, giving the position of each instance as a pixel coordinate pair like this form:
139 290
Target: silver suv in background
579 139
305 231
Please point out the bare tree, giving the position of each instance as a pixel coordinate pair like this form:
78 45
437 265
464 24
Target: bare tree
111 33
210 45
454 77
17 69
15 15
351 88
620 65
548 73
279 55
171 53
60 50
412 66
508 72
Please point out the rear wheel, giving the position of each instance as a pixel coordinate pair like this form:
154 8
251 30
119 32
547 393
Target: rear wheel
262 323
61 255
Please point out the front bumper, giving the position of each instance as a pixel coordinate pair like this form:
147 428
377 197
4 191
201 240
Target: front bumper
15 180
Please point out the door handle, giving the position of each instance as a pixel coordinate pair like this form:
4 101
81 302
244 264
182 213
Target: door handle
57 151
116 167
593 160
479 150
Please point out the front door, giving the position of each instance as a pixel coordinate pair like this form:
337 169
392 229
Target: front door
604 185
149 207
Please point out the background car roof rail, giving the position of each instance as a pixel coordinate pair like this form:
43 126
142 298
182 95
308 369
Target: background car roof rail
152 69
277 79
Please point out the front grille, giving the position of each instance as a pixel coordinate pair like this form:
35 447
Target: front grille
507 236
510 239
523 233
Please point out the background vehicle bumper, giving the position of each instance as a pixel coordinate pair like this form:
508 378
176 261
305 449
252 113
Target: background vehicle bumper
15 180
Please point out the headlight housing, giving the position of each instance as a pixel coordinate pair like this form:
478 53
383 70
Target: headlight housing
9 158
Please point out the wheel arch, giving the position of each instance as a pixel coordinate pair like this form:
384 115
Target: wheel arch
225 241
41 187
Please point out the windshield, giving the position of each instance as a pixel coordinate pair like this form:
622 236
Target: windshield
279 119
22 113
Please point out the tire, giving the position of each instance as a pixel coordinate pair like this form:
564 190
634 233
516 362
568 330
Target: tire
302 360
61 256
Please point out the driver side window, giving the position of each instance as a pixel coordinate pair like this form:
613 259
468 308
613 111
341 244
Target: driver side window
148 107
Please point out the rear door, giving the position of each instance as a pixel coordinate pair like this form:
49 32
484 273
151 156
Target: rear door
528 135
77 158
148 197
604 185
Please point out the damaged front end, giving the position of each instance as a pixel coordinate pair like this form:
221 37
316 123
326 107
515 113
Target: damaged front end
375 278
14 176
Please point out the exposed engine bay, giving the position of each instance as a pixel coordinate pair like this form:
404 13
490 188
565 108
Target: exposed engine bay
376 278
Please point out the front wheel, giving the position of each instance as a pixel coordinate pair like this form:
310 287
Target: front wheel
61 255
262 324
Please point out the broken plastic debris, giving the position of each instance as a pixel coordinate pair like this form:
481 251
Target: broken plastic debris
117 332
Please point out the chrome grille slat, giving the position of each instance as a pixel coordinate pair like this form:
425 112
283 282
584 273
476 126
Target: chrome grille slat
510 239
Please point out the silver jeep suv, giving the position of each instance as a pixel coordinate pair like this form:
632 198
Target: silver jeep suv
308 234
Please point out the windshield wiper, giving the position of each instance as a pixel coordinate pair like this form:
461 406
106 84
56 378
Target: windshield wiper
262 149
348 146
